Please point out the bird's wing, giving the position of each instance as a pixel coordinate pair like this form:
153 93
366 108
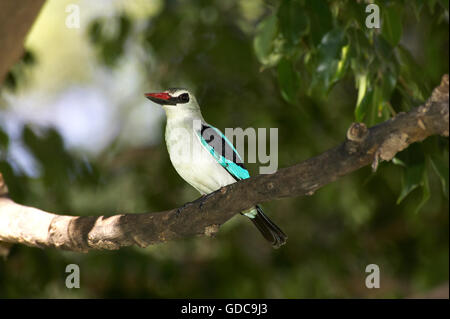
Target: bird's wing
223 151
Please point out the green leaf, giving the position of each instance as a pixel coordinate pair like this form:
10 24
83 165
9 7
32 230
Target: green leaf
398 161
425 192
385 54
11 81
29 58
365 95
412 179
361 51
353 12
331 60
415 174
417 6
17 185
379 111
342 64
331 44
414 79
263 42
45 147
288 80
320 18
293 21
431 5
382 91
441 168
391 27
110 42
388 85
361 84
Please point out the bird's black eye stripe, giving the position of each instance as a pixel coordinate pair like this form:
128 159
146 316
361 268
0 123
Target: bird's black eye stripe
183 98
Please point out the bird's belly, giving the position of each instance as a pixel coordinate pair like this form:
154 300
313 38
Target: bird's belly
205 179
200 169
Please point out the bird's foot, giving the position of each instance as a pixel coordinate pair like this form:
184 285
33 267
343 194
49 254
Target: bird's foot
203 198
200 200
180 209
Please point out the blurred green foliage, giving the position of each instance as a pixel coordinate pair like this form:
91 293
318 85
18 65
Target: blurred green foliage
378 63
309 68
18 71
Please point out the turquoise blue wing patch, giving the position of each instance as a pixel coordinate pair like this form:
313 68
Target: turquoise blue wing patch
223 151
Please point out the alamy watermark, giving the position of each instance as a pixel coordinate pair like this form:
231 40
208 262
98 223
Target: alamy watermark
189 148
373 279
373 18
73 279
73 17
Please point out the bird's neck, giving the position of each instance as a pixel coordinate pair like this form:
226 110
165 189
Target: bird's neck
186 118
180 127
179 113
183 115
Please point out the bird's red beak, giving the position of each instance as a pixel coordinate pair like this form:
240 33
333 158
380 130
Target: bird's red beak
161 98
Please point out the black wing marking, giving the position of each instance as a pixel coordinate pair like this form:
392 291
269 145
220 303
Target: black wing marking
218 141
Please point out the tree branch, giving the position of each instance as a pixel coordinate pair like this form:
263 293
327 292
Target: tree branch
34 227
16 18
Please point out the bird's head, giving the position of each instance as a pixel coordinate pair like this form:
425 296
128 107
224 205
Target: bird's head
174 99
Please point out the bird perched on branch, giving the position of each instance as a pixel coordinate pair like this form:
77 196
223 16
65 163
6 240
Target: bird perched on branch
203 156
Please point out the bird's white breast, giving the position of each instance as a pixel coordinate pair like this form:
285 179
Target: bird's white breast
191 159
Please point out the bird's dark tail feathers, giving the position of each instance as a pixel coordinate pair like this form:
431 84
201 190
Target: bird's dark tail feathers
268 229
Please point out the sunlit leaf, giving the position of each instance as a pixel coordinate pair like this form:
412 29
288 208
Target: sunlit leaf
263 42
342 64
398 161
331 60
364 100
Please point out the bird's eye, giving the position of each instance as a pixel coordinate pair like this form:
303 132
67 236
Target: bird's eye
184 98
